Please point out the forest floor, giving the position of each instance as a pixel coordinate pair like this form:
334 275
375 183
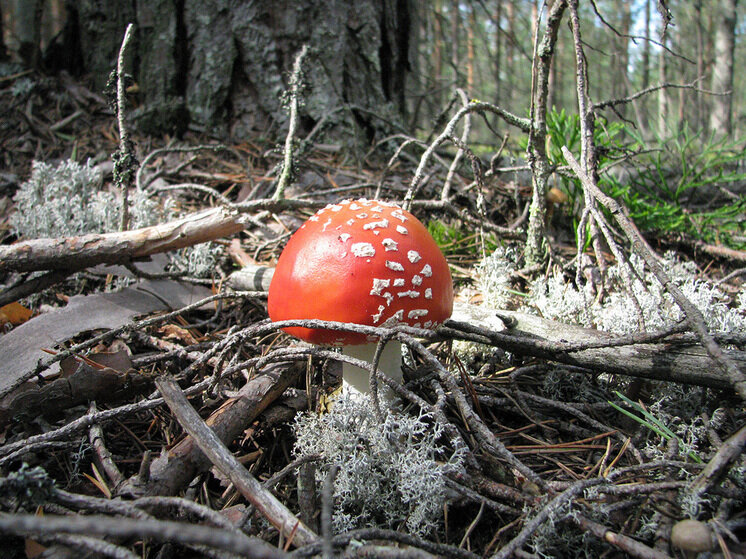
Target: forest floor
524 433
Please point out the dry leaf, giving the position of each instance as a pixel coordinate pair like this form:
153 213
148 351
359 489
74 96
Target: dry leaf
172 332
14 313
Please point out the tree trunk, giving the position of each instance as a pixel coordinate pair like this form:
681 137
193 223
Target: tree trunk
223 64
498 51
698 98
663 98
438 50
3 50
620 60
641 105
470 59
455 30
510 82
28 30
722 72
101 25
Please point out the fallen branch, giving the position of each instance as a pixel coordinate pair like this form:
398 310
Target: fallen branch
171 473
693 316
648 355
158 530
120 247
273 510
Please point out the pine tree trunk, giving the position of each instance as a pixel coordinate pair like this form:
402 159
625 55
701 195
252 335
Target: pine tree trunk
28 30
222 65
3 50
663 97
498 50
470 59
722 72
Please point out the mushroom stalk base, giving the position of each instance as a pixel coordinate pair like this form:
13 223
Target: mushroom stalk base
356 380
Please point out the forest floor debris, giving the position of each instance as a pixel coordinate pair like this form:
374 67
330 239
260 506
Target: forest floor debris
547 464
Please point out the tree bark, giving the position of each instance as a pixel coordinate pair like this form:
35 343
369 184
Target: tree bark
537 152
101 25
620 59
28 30
663 97
699 103
3 50
646 48
510 17
222 64
722 73
498 50
470 58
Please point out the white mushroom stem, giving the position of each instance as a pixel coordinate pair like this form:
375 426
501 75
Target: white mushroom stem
356 380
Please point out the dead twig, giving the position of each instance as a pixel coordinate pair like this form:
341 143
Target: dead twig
693 316
266 503
296 79
158 530
625 543
103 457
170 474
124 159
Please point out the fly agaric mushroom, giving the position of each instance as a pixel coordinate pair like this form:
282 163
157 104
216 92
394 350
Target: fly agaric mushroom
365 262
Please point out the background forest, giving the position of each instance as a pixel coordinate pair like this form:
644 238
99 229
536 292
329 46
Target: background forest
581 166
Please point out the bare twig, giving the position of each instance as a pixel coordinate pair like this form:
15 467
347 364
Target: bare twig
124 159
33 285
445 192
475 106
693 316
103 457
171 475
266 503
716 468
121 247
553 508
625 543
327 498
158 530
296 79
536 149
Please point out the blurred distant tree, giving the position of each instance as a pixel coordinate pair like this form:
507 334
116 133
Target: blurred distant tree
28 30
3 49
722 70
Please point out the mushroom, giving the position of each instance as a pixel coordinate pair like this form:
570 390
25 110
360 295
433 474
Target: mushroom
692 537
365 262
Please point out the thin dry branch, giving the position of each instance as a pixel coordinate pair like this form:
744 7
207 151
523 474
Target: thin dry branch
693 316
158 530
76 253
273 510
625 543
536 152
170 474
119 247
523 124
124 158
295 87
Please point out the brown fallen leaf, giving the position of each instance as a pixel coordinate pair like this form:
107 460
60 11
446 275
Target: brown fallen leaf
172 332
14 313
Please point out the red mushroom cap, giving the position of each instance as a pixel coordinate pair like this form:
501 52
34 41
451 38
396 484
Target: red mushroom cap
363 261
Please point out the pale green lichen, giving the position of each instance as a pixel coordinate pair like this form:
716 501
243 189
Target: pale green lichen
391 472
493 276
557 299
197 261
69 200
